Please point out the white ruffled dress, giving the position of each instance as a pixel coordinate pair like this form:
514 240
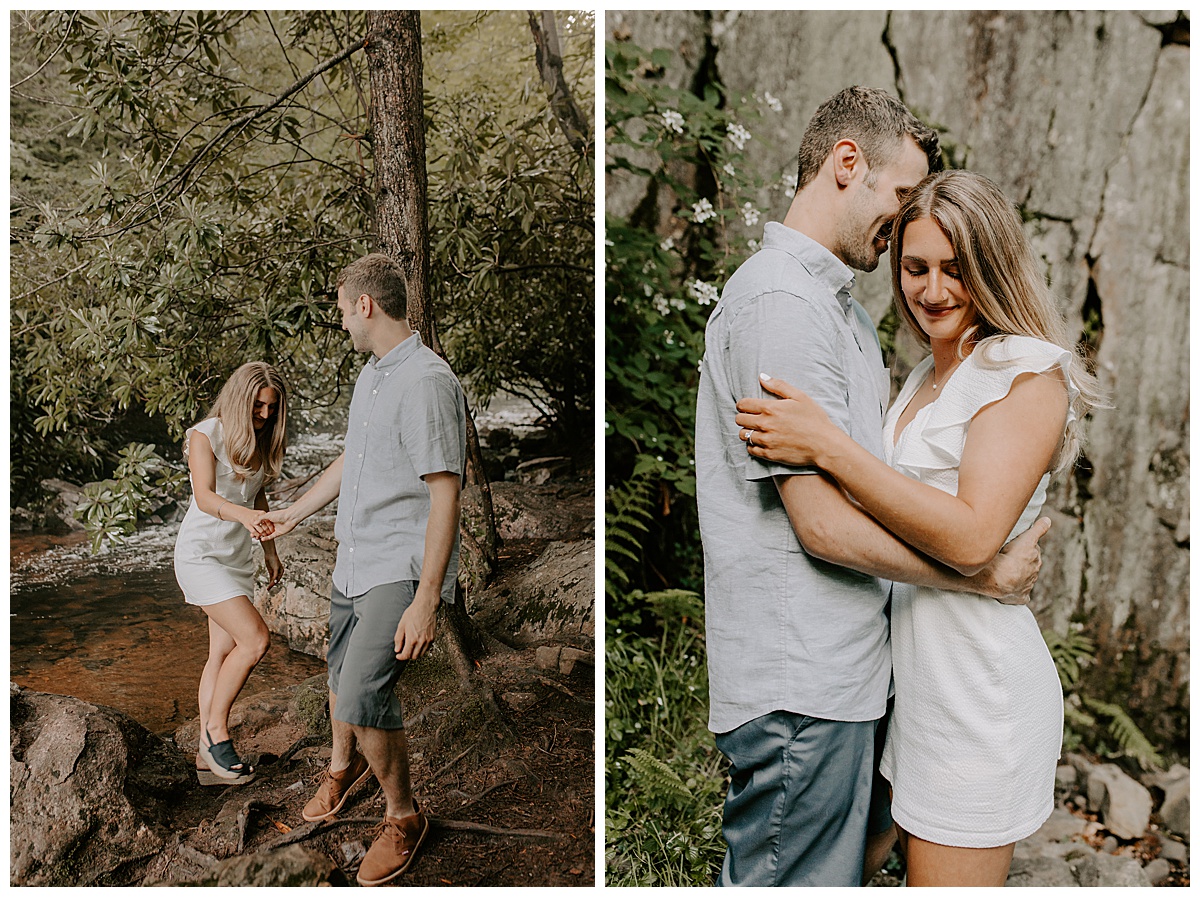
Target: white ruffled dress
975 735
213 558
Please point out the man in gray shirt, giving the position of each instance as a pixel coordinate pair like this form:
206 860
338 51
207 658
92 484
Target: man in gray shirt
796 576
397 529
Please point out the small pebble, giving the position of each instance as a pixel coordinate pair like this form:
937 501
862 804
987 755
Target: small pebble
1110 844
1157 870
1174 851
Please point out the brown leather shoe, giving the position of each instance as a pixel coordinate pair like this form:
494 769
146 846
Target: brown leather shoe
335 789
393 849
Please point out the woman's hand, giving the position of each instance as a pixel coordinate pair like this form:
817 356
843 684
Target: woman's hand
253 520
791 430
274 564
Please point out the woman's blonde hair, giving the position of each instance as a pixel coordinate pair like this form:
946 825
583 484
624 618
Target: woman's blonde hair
1000 272
235 407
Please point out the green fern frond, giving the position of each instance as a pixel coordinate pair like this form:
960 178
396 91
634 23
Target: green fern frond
656 776
627 514
1071 652
1130 738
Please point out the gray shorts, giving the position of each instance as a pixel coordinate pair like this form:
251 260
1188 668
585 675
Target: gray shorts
363 669
801 801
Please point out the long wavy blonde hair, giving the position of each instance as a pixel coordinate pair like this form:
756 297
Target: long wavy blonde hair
235 408
1000 271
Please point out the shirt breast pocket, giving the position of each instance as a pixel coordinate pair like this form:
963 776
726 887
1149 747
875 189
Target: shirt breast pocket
383 442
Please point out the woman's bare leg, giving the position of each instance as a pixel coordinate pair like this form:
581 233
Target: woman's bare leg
220 643
936 865
251 638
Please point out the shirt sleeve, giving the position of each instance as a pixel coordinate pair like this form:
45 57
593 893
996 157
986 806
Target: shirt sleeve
433 425
792 338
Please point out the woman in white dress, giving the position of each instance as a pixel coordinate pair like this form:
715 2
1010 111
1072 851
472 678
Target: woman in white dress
972 438
232 455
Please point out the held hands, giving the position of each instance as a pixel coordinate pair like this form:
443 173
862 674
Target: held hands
792 431
415 633
256 522
1011 575
282 522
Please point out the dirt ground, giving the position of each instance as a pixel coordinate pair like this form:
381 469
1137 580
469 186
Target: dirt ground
511 799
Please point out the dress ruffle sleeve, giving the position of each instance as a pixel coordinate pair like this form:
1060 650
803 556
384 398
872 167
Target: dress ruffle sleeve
210 427
994 364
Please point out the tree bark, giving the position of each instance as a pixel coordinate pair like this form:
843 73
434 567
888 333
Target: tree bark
573 122
397 117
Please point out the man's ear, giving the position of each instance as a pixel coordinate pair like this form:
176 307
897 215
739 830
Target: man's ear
365 304
847 160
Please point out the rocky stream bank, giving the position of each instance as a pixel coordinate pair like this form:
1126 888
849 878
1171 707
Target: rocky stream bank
502 758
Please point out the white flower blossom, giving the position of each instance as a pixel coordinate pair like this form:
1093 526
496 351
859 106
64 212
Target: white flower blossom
703 293
647 289
669 337
729 169
772 102
749 215
738 135
753 245
647 266
702 211
667 245
673 121
678 303
789 183
661 305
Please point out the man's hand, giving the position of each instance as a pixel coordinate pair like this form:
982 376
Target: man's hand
1010 577
284 522
415 632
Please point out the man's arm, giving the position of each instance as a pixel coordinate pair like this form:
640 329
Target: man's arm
831 528
415 632
324 491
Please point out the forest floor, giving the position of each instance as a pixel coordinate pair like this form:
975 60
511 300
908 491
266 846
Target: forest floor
510 806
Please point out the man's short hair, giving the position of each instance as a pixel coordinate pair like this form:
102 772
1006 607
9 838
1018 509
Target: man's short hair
381 278
872 118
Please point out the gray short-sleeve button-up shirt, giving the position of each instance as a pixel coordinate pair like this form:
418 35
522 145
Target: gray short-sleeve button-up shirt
407 420
786 631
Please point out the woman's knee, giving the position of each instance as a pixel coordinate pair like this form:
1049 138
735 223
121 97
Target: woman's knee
259 643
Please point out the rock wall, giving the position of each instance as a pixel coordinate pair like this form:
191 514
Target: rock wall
1082 118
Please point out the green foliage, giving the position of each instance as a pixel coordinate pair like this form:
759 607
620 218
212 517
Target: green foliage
170 223
665 777
1072 653
512 224
665 262
111 509
627 515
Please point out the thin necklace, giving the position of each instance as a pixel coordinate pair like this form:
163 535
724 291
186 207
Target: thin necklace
944 379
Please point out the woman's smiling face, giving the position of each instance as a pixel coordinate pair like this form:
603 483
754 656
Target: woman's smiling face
930 281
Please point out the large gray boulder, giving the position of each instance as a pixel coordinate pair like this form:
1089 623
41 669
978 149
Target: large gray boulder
91 792
552 601
298 608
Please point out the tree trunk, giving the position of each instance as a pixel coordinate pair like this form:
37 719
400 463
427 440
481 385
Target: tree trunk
397 118
573 122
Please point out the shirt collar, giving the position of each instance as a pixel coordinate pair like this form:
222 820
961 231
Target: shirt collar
822 264
399 354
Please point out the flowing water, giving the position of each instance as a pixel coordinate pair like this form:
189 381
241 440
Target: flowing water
115 630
